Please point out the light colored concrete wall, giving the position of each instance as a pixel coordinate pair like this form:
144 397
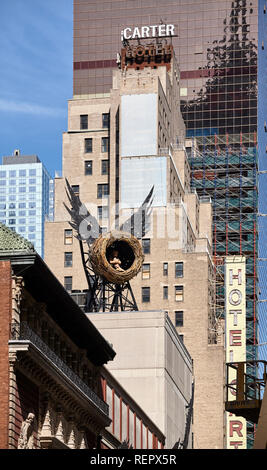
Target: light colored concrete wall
152 364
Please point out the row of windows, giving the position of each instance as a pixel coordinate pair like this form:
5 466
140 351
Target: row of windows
19 197
20 205
88 145
21 189
178 293
179 315
88 167
102 190
14 182
20 213
84 121
31 228
15 173
179 270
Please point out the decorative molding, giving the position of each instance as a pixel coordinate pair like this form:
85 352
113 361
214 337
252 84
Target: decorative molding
26 333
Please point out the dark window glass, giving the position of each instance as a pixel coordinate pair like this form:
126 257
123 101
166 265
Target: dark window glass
179 269
165 292
102 212
165 269
105 144
102 190
104 167
145 294
88 145
88 167
179 318
68 283
146 245
76 188
68 259
105 120
83 121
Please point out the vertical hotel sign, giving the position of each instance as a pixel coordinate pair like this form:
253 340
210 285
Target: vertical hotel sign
235 337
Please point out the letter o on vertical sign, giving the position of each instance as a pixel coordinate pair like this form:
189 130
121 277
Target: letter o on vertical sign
234 301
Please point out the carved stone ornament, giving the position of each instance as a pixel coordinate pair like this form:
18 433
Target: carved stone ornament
26 433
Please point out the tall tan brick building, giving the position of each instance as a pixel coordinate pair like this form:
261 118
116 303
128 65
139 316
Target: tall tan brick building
116 148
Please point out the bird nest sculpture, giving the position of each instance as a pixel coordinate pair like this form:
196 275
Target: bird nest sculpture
117 256
112 259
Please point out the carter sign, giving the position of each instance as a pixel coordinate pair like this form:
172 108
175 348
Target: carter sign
161 30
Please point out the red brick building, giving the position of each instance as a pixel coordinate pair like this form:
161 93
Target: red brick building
51 362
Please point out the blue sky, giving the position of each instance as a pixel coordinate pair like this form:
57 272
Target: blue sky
36 77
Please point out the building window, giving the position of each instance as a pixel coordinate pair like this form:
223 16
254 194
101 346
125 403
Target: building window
105 144
31 173
88 145
83 121
145 294
88 167
104 167
165 269
68 259
68 237
179 269
179 293
22 172
179 318
102 212
146 245
102 190
76 188
146 271
165 292
68 283
105 120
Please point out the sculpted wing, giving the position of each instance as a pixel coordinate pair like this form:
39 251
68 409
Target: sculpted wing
139 222
85 225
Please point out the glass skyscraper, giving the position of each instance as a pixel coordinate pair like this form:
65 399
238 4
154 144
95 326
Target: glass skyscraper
217 46
26 197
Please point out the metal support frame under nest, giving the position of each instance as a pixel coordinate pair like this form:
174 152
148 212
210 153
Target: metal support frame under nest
105 296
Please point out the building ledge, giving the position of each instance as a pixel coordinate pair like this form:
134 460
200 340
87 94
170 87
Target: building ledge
31 344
